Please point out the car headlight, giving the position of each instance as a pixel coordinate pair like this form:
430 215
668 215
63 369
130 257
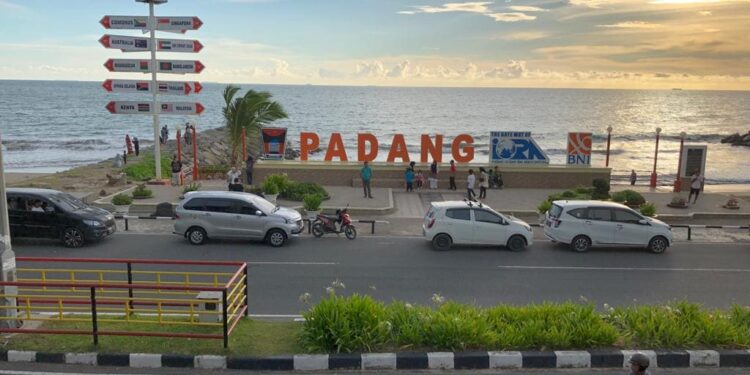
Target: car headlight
528 228
93 223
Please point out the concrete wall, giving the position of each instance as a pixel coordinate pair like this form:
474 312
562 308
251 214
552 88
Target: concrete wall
392 175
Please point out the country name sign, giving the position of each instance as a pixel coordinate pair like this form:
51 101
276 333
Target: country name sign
162 87
174 24
138 44
147 108
162 66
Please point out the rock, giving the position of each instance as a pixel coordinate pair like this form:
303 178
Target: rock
737 140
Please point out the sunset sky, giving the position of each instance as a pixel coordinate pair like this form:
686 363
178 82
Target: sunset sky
692 44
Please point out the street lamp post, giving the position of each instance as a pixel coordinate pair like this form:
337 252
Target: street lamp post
609 139
677 179
656 158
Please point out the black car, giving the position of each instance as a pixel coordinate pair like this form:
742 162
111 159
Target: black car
45 213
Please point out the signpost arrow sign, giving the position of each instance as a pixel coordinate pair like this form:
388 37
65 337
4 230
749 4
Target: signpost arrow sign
162 87
140 44
147 108
174 24
162 66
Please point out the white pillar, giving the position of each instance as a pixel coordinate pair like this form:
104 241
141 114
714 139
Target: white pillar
7 256
154 89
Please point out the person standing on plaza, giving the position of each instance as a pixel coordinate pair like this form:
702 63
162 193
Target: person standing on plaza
409 176
236 186
176 171
498 178
136 145
249 165
633 177
420 180
232 174
366 174
470 181
452 176
696 185
128 144
483 183
433 175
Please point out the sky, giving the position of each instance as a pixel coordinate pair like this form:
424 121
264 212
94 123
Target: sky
629 44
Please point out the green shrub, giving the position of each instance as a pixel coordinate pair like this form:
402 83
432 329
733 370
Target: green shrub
141 191
633 198
544 206
583 190
569 194
145 169
601 189
122 200
270 187
619 197
193 186
554 197
214 168
346 324
296 191
312 202
648 209
281 181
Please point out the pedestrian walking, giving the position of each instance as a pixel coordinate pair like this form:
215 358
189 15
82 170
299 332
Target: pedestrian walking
452 176
409 176
639 364
176 170
696 185
249 165
124 157
236 186
366 174
633 177
470 181
483 183
136 145
231 175
166 134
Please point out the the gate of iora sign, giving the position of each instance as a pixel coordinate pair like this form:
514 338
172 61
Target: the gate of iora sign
462 148
123 291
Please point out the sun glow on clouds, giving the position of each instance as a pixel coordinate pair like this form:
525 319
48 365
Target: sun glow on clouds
632 25
480 8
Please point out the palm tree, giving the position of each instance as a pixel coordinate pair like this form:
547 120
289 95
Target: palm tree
251 112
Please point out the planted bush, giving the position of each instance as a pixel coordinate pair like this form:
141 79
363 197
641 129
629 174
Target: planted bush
619 197
145 169
601 189
633 198
584 190
569 194
544 206
648 209
296 191
193 186
141 191
270 187
312 202
122 200
281 181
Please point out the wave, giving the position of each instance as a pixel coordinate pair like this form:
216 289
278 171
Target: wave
711 138
74 145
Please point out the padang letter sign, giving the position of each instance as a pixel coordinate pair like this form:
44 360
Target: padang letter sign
516 148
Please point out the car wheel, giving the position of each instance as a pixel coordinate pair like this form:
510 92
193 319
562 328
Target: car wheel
516 243
658 245
72 237
196 236
581 244
442 242
276 237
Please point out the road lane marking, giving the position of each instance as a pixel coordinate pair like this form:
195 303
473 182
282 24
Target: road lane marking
563 268
292 263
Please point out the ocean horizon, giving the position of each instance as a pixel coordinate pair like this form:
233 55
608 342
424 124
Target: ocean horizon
50 126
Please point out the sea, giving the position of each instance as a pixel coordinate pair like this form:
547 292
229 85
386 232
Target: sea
49 126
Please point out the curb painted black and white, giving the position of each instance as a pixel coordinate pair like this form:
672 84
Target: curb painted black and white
404 360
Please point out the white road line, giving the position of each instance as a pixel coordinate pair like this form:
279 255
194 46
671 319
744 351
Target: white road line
292 263
17 372
624 269
276 316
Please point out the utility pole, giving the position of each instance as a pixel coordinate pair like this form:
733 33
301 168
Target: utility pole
7 256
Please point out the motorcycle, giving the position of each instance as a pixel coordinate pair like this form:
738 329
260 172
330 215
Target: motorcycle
327 224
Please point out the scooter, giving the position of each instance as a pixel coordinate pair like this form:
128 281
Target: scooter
327 224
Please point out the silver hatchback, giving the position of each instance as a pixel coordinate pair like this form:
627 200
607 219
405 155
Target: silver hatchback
233 215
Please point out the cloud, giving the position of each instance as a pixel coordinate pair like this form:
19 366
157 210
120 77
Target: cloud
513 69
588 3
711 30
370 70
523 8
705 13
511 17
632 25
10 6
400 70
529 35
472 7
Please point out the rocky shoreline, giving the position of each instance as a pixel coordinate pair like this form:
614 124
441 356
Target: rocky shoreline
738 139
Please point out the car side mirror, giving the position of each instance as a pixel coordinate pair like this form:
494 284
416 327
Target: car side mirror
643 222
258 213
503 222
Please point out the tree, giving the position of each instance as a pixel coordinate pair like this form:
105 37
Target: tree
251 112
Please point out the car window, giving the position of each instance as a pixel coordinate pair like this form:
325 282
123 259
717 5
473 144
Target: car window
219 205
68 202
577 213
431 212
599 213
458 213
625 216
16 203
264 205
555 211
244 208
195 204
487 217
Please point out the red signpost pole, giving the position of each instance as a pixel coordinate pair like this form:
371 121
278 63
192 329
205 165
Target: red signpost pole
656 158
609 139
244 146
677 179
195 155
179 146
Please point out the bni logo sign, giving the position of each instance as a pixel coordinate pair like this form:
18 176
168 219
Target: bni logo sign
579 148
515 148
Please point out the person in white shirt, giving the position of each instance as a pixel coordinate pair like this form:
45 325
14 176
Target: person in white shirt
470 180
696 185
37 207
232 174
484 183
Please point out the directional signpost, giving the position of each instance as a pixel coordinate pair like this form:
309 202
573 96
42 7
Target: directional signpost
151 65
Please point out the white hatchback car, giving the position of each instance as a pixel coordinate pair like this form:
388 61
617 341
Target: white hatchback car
464 222
583 224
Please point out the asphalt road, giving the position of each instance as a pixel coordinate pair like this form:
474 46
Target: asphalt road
406 268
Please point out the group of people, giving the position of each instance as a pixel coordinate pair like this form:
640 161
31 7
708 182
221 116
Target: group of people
32 205
417 179
697 180
188 136
233 176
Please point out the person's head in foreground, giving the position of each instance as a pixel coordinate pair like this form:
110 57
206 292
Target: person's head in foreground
638 364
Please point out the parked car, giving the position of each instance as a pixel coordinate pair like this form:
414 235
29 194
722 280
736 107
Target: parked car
53 214
460 222
234 215
583 224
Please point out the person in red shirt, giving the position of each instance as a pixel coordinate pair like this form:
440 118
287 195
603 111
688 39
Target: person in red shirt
452 176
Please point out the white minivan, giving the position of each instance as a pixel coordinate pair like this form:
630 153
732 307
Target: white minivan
583 224
460 222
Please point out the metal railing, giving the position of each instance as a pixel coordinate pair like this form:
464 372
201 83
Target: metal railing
145 296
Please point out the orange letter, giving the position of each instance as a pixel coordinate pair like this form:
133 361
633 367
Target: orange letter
434 149
361 154
398 149
307 142
336 148
468 149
